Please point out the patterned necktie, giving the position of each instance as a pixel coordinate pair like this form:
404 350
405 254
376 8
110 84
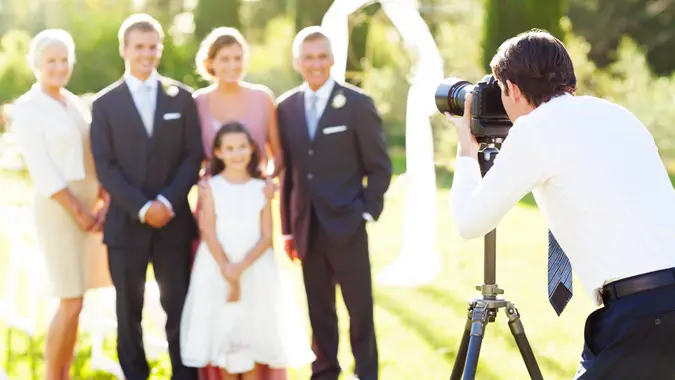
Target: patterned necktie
559 276
146 109
312 117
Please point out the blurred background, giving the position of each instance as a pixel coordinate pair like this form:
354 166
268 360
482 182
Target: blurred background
622 51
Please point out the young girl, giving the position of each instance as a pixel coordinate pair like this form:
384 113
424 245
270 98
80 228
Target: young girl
240 314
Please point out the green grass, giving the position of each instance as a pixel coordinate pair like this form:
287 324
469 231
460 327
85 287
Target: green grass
419 329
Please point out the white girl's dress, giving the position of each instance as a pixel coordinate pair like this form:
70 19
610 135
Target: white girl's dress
266 325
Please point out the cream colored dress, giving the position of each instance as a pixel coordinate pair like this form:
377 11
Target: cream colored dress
54 140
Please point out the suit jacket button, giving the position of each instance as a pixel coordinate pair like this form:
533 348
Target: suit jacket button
309 176
311 152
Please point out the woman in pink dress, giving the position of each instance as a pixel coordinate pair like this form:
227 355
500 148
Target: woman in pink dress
221 60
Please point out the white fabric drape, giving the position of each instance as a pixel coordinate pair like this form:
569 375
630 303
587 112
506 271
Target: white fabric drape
418 261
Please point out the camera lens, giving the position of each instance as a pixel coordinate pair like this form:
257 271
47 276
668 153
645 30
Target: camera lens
450 95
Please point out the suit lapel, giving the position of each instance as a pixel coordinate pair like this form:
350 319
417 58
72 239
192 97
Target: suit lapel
328 112
324 119
161 106
303 131
128 103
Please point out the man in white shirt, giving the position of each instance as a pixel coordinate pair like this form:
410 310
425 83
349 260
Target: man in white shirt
597 177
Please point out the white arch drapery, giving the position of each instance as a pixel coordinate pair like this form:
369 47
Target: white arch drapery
418 261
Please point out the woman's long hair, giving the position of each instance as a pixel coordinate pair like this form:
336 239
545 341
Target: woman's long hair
217 165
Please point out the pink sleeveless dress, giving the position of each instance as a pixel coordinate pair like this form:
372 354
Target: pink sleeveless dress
256 120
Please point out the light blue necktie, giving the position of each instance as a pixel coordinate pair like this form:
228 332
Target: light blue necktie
146 107
559 276
312 116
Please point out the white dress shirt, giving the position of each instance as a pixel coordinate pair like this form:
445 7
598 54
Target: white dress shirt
596 175
322 96
139 95
135 86
50 139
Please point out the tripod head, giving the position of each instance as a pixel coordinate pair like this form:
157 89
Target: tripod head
489 289
487 154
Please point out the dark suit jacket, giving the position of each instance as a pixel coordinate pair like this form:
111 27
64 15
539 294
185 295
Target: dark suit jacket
327 173
134 167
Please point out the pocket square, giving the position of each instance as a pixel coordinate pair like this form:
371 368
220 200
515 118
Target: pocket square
335 129
172 116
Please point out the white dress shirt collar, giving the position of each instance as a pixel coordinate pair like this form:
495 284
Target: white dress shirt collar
323 93
134 83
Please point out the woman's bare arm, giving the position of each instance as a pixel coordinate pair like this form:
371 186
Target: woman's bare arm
273 139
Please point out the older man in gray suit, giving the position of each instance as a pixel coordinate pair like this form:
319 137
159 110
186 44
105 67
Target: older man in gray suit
333 139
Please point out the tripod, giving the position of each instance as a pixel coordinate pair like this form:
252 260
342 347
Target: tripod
483 310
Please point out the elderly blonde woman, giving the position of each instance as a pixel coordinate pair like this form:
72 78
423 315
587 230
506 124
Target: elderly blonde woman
51 127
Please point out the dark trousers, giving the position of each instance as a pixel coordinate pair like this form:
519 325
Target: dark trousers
346 263
631 338
128 267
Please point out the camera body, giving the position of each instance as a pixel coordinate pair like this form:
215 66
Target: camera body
489 120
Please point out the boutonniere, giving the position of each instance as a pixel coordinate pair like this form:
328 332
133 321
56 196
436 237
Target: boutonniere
339 100
170 89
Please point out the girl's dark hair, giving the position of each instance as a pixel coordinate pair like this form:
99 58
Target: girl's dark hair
217 165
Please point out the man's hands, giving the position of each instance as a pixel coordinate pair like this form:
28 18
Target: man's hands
158 214
467 146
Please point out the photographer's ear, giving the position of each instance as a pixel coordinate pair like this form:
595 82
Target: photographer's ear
513 90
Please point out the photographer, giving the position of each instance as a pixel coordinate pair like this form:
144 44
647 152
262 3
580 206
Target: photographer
597 177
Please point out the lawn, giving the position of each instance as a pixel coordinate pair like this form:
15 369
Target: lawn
418 329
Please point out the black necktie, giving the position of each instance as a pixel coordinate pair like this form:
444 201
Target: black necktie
559 276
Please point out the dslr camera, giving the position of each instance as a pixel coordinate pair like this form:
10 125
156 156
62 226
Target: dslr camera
489 121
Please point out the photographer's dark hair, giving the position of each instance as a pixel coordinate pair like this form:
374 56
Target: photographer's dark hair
538 63
217 165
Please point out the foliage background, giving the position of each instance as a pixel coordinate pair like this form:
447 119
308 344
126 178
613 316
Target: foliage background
621 50
613 63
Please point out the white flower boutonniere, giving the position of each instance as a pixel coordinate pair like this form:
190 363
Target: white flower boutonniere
339 100
170 89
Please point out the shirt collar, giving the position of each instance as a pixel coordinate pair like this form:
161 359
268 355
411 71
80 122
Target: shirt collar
323 92
135 83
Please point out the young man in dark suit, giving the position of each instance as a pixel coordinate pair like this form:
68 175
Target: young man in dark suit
147 148
333 139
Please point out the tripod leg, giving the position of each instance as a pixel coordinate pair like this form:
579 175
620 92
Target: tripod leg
523 344
458 367
479 320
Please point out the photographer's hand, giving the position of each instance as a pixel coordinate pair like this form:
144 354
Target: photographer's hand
467 145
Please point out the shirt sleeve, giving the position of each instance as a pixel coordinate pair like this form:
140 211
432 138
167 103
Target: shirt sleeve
478 204
45 173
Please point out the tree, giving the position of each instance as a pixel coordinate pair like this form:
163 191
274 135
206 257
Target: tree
310 12
506 18
648 22
164 10
210 14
